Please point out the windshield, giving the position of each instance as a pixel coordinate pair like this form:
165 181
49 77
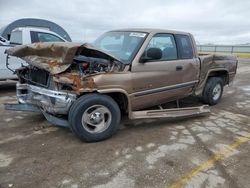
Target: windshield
122 45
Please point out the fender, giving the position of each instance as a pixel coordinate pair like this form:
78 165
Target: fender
200 86
118 90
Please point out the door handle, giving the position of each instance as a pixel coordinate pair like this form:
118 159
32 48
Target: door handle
179 68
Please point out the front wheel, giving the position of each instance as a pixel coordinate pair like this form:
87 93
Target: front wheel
213 91
94 117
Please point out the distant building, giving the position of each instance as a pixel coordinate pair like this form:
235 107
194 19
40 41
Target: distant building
34 22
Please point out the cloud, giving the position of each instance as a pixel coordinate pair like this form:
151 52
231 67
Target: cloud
214 21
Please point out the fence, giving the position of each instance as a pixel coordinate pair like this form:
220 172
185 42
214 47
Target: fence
237 49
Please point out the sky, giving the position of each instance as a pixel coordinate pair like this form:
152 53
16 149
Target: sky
211 21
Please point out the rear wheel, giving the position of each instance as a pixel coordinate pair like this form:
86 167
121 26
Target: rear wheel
213 91
94 117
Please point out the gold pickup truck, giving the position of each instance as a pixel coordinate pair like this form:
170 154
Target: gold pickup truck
88 86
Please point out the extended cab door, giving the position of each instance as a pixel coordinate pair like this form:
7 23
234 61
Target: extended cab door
171 77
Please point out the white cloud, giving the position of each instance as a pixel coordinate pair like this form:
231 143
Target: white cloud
213 21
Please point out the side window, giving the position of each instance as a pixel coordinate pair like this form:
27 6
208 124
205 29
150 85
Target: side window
184 46
44 37
16 37
166 43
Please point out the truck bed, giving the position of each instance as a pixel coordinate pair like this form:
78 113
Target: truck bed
218 62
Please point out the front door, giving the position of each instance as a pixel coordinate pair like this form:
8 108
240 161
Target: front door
171 77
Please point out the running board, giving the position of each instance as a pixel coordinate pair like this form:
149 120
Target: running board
171 113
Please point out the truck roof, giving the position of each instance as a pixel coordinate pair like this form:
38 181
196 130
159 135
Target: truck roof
43 30
153 30
34 29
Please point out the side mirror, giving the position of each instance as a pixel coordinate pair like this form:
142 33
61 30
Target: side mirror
151 54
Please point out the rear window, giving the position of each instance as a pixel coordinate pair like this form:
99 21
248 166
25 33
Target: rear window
44 37
184 46
16 37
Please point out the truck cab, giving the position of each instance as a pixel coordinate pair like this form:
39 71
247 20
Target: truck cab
171 76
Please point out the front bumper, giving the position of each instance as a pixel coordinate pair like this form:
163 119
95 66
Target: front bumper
51 101
30 108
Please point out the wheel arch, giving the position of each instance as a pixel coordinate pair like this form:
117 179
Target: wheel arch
120 96
219 73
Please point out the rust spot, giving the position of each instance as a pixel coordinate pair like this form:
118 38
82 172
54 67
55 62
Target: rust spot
79 86
76 82
90 82
53 63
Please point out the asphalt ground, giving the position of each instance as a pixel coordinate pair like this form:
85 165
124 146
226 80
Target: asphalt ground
210 151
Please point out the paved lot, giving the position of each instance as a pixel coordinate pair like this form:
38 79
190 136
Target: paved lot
195 152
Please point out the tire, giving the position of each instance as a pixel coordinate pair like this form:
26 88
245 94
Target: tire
94 117
213 91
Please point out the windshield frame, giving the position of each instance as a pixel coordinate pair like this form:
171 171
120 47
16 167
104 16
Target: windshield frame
135 51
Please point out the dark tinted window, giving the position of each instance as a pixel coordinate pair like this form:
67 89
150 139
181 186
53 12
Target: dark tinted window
184 46
44 37
166 43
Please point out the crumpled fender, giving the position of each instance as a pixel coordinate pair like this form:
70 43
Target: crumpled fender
54 57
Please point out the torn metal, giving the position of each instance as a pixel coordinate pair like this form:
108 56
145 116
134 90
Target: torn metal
58 72
54 102
56 57
31 108
64 66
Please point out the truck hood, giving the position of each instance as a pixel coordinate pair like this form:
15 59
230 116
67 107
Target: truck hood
54 57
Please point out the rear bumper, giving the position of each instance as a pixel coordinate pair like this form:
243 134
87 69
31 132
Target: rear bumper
53 102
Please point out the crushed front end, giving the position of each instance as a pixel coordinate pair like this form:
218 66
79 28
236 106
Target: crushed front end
36 92
56 75
37 88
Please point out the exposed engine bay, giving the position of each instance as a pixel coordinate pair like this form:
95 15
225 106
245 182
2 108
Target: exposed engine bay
59 72
91 65
82 66
63 66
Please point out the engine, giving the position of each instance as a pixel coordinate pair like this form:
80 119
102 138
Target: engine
90 65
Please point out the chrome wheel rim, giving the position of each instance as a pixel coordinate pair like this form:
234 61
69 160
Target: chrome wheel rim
96 119
216 92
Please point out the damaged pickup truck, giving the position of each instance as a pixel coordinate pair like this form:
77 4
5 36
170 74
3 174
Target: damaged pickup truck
88 86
